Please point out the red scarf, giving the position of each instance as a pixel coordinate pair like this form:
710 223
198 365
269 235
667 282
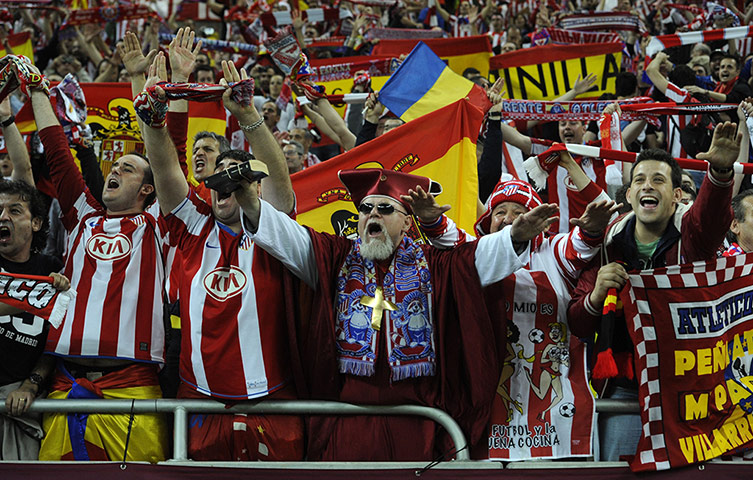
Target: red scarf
726 87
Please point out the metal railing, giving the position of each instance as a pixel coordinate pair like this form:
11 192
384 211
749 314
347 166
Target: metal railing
180 408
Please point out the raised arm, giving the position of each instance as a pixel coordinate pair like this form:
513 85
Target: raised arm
64 173
278 234
14 143
277 188
516 139
501 253
654 72
169 182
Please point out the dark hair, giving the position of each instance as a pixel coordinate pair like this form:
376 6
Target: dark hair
625 84
737 205
738 210
148 178
689 190
222 142
682 76
470 72
239 155
660 156
513 332
37 207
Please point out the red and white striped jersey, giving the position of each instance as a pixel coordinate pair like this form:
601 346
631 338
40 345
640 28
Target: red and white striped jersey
460 26
676 123
536 299
233 340
497 38
562 191
114 264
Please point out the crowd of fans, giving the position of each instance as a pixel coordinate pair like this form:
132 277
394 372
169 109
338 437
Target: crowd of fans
118 337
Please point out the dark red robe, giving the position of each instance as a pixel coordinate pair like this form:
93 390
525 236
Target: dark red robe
466 375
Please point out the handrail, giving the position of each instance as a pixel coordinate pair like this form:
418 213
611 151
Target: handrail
181 407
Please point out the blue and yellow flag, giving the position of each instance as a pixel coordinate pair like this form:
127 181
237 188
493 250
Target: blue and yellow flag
423 83
440 145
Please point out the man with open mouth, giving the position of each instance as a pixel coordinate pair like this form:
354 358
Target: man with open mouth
660 231
401 322
233 340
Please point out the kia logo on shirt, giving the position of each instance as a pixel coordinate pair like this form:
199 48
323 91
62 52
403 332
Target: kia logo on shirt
108 247
224 283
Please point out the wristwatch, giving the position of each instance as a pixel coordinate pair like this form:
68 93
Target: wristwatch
36 379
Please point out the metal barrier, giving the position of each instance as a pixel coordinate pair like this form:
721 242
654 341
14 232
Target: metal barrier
180 408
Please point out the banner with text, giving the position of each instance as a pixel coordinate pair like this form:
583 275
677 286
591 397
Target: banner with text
692 326
545 73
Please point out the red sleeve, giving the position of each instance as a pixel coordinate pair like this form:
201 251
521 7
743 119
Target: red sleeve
583 323
177 125
65 175
706 223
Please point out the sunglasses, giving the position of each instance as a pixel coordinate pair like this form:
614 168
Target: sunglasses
382 209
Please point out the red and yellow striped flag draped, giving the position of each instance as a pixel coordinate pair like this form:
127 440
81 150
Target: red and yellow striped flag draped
440 145
20 44
112 119
458 53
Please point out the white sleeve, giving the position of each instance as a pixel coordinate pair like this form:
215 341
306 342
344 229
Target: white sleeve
496 258
286 240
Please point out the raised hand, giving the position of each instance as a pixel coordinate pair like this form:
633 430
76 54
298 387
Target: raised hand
182 58
424 206
725 146
527 226
133 59
245 114
596 217
157 73
585 84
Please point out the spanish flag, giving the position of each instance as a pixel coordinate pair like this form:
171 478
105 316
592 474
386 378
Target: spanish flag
457 53
20 44
423 83
112 119
440 145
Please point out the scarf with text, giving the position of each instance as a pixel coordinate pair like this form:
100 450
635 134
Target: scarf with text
36 295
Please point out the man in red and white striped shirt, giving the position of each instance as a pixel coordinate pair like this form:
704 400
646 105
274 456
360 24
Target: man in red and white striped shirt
560 187
112 335
233 340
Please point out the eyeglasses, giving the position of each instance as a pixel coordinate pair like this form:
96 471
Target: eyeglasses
382 209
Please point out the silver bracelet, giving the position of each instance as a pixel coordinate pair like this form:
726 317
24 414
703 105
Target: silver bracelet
253 126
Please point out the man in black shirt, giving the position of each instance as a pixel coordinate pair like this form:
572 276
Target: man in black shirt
23 368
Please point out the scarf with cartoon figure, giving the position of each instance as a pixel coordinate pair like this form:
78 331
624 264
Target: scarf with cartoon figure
404 297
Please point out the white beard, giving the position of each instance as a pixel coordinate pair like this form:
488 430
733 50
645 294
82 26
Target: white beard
376 249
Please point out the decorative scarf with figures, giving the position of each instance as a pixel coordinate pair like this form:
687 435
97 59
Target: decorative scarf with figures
409 328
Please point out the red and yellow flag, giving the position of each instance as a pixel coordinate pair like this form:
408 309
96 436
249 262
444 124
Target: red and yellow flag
112 119
20 44
440 145
458 53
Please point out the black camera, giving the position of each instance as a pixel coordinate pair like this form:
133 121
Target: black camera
228 180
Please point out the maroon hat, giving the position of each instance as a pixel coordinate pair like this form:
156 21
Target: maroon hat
516 191
364 182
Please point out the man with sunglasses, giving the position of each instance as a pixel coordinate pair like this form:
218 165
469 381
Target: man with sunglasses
392 321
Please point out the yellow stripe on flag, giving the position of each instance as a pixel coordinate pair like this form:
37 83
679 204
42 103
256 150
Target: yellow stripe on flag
449 88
